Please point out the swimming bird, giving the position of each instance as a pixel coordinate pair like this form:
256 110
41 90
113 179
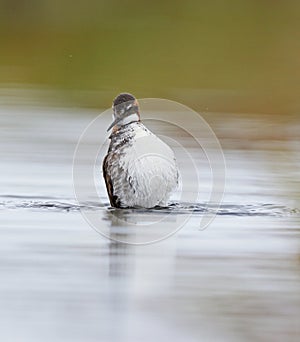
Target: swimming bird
139 170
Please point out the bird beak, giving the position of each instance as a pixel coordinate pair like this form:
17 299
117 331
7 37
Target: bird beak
114 123
128 112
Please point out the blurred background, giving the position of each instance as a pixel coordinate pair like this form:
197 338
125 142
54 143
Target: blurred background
234 55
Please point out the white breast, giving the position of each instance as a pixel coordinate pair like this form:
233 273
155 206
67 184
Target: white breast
145 172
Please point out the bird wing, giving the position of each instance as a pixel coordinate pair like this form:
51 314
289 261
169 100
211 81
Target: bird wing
114 201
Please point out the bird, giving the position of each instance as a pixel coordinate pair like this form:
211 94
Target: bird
139 169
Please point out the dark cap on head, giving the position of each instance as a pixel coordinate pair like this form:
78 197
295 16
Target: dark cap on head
123 97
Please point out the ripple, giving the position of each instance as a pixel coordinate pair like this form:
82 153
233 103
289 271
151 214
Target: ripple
259 209
67 205
45 203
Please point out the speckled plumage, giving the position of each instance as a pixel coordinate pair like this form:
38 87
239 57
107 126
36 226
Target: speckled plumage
139 169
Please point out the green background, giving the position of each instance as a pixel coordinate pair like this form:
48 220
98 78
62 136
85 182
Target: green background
235 55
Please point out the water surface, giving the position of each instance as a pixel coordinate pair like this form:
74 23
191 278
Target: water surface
237 280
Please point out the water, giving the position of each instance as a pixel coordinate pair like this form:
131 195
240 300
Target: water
237 280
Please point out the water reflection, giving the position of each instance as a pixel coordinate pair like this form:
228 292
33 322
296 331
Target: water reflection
136 226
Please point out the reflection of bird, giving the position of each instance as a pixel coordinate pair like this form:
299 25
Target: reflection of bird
139 169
